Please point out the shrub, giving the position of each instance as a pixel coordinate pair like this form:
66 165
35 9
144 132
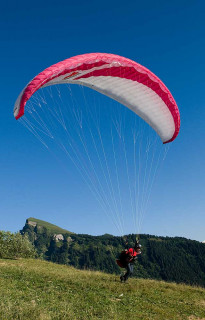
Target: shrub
14 245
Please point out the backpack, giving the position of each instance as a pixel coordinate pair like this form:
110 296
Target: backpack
123 259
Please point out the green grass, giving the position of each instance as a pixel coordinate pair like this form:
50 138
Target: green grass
49 226
35 289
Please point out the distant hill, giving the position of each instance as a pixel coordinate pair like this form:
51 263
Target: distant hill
52 228
35 289
163 258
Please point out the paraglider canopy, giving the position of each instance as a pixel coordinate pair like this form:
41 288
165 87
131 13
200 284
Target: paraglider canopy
119 78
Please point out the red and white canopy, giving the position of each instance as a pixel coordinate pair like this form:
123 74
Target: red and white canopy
119 78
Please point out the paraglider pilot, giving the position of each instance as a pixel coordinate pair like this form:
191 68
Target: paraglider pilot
127 259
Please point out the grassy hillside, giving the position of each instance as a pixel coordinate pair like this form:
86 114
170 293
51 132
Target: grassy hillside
52 228
34 289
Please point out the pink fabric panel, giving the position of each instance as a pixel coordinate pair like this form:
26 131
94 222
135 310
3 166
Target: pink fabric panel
49 74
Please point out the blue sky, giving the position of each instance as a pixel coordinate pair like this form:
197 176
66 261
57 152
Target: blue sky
166 37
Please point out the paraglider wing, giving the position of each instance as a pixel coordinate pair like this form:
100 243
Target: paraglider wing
119 78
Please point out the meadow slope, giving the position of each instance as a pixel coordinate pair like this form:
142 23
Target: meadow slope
35 289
